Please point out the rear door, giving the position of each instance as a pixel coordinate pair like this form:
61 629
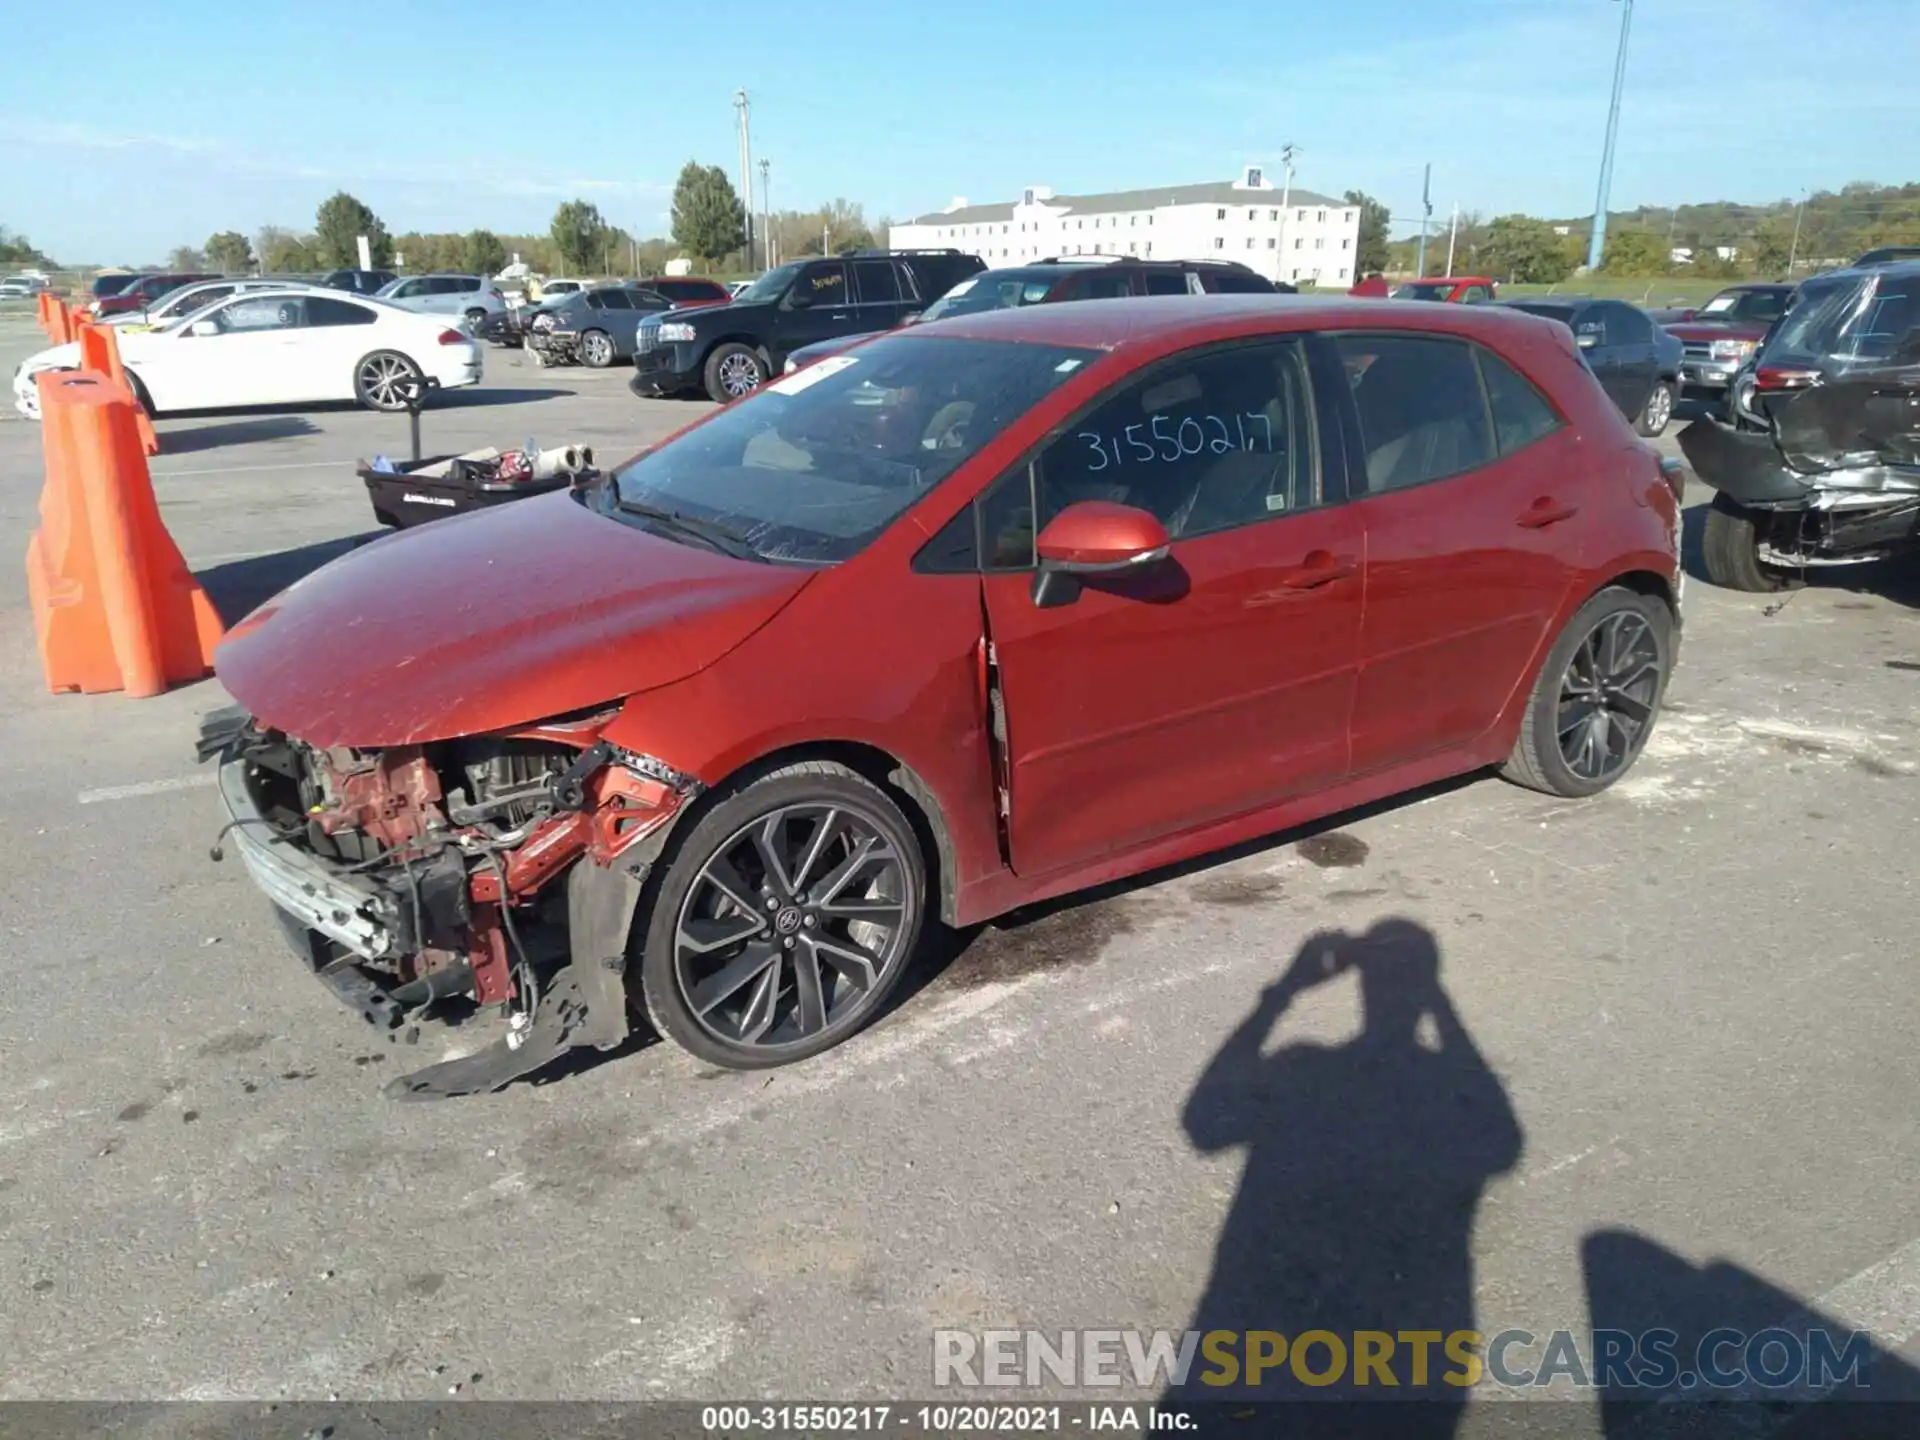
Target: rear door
1218 682
338 333
1636 356
1472 502
879 299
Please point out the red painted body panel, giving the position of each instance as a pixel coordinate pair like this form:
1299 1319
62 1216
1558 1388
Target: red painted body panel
489 620
1200 703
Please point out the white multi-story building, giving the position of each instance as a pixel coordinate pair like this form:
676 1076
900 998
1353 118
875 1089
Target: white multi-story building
1284 233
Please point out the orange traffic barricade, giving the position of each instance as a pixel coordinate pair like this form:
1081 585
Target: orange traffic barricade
100 352
114 605
43 312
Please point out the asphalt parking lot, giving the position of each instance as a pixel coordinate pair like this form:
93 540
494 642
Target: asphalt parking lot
1692 999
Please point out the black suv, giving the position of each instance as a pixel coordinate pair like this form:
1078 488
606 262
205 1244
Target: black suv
360 282
1048 282
729 350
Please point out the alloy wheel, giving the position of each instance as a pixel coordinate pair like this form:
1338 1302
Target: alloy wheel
792 925
1607 696
739 375
386 381
598 350
1659 409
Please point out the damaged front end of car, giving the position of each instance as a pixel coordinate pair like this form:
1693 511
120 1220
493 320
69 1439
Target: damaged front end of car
502 868
1833 478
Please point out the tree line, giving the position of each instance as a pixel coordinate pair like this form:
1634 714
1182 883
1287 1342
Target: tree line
709 225
1764 241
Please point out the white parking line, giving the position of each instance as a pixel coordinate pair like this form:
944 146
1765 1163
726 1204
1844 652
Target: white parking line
147 787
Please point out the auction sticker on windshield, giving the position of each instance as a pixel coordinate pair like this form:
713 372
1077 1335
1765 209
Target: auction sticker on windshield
813 374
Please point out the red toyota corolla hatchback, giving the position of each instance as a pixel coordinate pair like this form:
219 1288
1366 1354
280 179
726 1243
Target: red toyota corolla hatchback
978 613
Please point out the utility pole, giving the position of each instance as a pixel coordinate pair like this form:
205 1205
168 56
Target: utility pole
1793 255
1289 152
1453 235
766 213
1426 215
743 108
1597 243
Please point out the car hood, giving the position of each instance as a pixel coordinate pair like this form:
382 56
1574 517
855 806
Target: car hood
1716 330
491 620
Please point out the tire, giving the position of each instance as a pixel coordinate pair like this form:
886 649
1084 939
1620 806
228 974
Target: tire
729 369
475 318
379 378
139 388
724 980
1657 413
1618 649
1730 550
597 350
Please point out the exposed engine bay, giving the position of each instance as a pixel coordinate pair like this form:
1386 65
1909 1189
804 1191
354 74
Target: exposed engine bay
499 869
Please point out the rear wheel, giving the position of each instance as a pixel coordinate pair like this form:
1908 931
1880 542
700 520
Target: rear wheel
1657 412
1730 549
384 381
596 349
475 318
784 919
734 371
1595 700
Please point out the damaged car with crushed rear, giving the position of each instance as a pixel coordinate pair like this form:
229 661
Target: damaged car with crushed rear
978 614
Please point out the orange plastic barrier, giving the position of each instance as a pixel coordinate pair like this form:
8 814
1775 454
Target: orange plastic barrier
60 324
100 351
114 605
43 304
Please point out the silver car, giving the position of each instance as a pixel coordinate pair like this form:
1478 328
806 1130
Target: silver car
470 297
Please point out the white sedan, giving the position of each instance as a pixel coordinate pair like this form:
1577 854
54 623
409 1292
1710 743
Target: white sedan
280 347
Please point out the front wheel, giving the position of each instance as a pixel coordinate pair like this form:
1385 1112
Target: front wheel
475 318
385 381
1595 700
734 371
1730 550
596 348
784 919
1657 413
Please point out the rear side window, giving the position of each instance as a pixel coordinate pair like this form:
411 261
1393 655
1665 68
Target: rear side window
877 283
1237 282
1423 415
324 311
1109 286
1520 414
1626 325
1166 282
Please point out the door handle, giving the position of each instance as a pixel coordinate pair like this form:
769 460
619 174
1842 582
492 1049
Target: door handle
1544 512
1319 568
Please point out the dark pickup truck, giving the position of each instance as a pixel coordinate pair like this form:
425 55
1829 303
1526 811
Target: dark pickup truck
1723 334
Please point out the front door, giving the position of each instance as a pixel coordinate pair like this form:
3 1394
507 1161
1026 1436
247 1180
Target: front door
1218 682
818 306
251 359
1635 357
1473 512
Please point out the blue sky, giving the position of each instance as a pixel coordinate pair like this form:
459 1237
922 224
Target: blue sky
195 117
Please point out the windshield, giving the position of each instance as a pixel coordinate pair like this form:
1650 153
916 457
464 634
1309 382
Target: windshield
811 468
990 292
1759 307
773 284
1423 292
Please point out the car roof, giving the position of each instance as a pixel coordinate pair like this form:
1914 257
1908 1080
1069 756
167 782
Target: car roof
1170 320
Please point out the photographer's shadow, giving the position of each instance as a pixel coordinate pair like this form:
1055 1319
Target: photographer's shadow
1365 1167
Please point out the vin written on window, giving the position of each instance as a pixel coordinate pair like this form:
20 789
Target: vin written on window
1160 438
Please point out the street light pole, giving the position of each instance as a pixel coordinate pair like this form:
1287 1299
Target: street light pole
1597 244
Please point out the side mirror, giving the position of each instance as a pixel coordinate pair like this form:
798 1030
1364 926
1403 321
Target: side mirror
1586 339
911 317
204 327
798 299
1093 538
